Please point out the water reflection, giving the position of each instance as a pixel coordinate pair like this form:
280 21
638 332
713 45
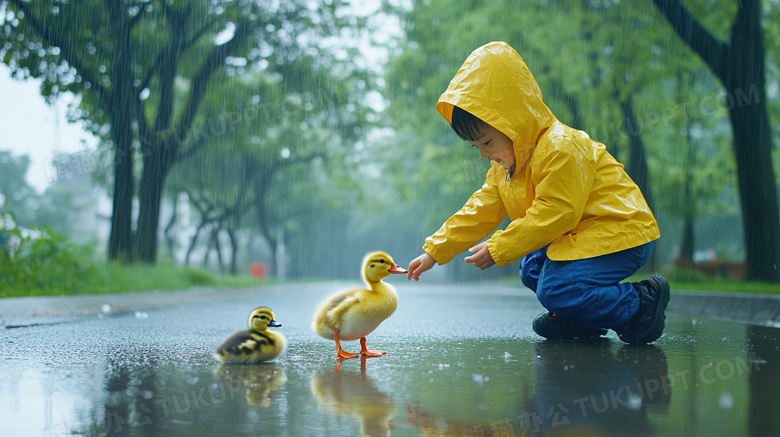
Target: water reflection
577 388
705 378
764 352
347 392
588 389
259 382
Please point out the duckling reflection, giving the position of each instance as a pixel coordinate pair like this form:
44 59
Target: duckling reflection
258 381
583 389
353 393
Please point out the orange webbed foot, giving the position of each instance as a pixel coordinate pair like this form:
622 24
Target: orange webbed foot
364 350
345 355
341 353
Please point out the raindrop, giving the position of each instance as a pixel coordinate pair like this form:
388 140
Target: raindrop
226 34
285 153
634 401
726 401
105 309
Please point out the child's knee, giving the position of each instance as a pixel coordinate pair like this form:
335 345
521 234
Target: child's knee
557 300
547 300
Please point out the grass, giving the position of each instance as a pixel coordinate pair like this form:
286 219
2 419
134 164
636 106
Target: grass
685 279
111 277
42 262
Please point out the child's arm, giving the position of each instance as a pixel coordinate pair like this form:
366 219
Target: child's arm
480 216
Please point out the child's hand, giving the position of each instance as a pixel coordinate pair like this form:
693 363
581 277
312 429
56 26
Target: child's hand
418 265
481 258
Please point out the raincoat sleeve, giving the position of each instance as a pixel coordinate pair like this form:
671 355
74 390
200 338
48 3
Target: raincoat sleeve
481 214
562 179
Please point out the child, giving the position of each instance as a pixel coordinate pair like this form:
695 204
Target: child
579 224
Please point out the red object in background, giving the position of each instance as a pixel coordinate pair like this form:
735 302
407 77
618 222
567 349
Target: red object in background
257 270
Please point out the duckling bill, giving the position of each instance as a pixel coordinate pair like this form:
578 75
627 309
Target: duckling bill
255 345
354 313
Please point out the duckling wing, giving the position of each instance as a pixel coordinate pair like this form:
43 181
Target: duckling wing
331 313
341 303
243 343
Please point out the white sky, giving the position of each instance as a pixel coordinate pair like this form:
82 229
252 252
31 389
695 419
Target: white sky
29 126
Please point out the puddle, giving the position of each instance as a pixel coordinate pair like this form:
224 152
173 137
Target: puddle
125 375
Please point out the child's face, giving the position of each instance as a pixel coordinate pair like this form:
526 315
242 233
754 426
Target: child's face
495 146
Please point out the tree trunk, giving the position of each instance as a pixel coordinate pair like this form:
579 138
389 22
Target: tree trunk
155 170
740 66
170 235
687 247
753 146
121 108
193 243
209 245
120 239
160 153
233 251
637 161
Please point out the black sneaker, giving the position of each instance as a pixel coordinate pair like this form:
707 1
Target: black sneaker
648 323
552 326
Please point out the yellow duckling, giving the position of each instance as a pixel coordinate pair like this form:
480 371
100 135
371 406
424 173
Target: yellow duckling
255 345
354 313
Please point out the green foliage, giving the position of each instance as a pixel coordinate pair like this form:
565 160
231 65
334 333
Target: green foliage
15 193
41 261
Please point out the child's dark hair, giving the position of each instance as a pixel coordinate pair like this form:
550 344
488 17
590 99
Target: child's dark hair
465 124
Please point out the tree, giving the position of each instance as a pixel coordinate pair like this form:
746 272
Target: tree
143 67
15 192
236 178
739 64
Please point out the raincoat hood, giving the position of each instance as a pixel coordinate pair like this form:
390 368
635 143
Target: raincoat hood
496 86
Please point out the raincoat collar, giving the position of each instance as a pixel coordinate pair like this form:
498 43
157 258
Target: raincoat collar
495 85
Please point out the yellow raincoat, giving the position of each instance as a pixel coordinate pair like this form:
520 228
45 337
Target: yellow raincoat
567 191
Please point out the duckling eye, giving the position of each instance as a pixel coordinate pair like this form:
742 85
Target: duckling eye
381 261
262 317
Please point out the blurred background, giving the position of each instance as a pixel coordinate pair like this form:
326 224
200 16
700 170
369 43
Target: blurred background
162 144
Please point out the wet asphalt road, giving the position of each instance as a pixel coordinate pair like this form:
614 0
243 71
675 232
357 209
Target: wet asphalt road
462 361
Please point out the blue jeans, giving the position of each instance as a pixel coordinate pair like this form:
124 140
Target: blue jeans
586 291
